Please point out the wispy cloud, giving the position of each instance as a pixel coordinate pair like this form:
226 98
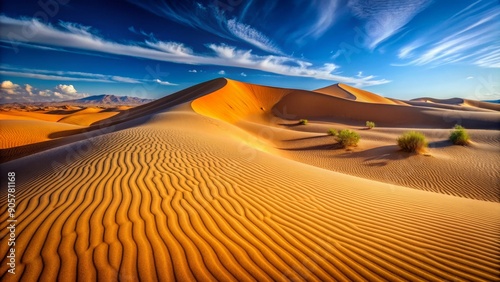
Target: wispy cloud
385 18
161 82
83 38
64 75
141 32
211 19
471 35
221 72
252 36
324 14
243 74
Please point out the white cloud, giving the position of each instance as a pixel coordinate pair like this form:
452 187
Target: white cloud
66 89
385 18
360 74
11 92
469 77
470 36
9 88
45 93
66 92
29 89
194 71
78 37
243 74
163 82
222 72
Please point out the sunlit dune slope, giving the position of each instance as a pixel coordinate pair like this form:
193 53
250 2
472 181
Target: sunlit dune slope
238 100
352 93
21 132
368 97
336 91
175 195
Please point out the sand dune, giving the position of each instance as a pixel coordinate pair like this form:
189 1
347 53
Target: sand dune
178 190
351 93
329 108
456 103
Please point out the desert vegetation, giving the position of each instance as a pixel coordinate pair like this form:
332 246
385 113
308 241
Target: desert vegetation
412 141
370 124
332 132
303 121
348 138
459 135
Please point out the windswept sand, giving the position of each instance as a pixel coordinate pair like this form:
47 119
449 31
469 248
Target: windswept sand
18 128
185 190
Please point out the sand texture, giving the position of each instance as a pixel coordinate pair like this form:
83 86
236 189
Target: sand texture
218 182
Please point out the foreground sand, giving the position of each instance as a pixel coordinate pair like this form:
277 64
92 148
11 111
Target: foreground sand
201 192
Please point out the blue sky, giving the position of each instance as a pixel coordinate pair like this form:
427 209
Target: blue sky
65 49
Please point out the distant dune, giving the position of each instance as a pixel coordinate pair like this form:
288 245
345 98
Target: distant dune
219 182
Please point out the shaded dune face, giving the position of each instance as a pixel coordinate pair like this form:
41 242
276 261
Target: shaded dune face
176 190
322 107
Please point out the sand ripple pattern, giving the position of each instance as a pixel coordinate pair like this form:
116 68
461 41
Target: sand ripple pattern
160 202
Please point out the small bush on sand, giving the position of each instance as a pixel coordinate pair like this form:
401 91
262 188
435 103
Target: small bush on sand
370 124
459 135
303 121
348 138
412 141
332 132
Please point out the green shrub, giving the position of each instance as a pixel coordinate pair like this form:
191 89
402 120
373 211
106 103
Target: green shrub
459 136
370 124
303 121
348 138
332 132
412 141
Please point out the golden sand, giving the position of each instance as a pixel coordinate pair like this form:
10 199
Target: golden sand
219 183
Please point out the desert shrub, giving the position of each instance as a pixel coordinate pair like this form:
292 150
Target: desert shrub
348 138
459 135
303 121
370 124
412 141
332 132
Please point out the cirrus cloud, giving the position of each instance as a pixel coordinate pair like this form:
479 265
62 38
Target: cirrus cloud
79 37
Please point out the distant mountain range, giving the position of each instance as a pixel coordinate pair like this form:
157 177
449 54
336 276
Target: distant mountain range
107 99
492 101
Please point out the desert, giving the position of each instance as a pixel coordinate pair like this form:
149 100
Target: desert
230 140
218 182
